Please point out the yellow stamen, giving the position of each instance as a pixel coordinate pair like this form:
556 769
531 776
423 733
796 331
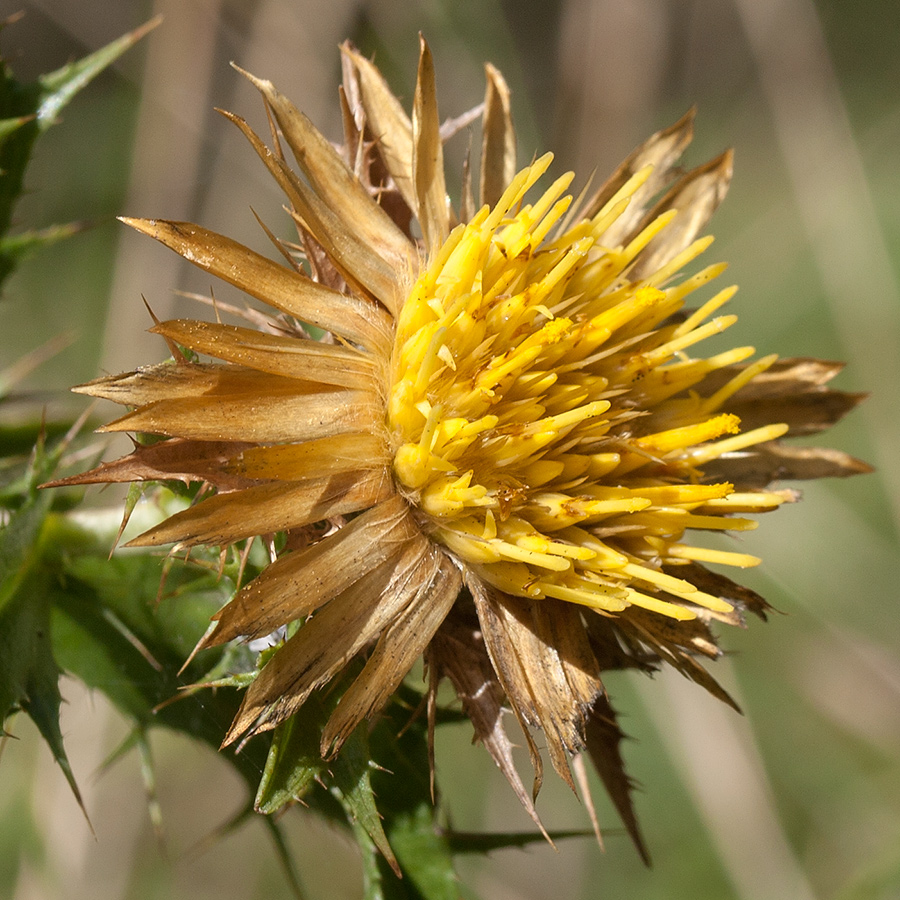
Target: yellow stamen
513 355
707 554
701 455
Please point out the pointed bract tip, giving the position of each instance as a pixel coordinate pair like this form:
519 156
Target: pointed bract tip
261 84
147 27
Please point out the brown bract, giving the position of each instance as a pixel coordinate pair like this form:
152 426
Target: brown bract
508 465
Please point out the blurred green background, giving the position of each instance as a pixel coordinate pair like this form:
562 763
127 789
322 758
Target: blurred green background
800 798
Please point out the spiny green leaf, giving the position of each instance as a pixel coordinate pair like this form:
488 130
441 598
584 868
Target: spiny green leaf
294 762
59 87
408 811
23 536
26 111
28 673
29 677
113 631
19 102
17 247
12 124
352 784
20 543
112 634
20 539
424 854
379 882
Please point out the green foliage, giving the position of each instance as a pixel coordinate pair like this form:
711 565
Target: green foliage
29 673
29 677
26 112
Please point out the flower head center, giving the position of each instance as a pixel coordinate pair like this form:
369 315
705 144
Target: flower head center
525 371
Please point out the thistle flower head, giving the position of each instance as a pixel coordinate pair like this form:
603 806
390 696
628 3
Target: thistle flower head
511 431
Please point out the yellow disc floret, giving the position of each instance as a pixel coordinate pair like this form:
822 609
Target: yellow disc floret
541 410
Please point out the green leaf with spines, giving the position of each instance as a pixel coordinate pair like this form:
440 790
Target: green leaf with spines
26 112
294 767
29 676
20 542
408 812
294 763
14 248
352 785
59 87
11 125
